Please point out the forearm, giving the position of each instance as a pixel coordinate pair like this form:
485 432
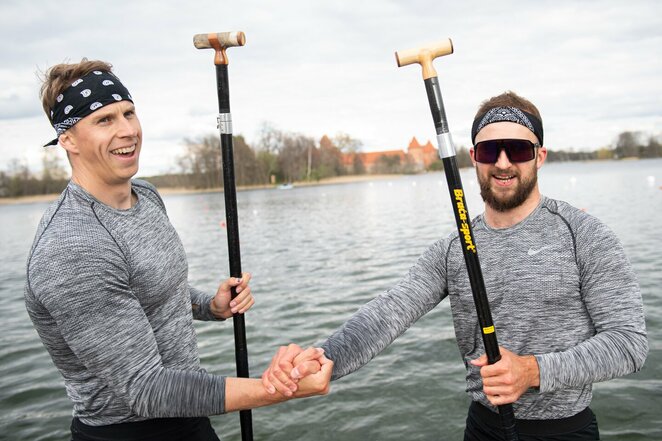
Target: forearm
248 393
169 393
605 356
382 320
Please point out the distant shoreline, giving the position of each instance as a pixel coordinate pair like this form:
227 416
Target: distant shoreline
165 191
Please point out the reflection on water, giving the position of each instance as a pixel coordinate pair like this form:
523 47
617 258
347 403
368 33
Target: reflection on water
317 254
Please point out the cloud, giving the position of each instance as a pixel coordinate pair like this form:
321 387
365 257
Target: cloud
320 67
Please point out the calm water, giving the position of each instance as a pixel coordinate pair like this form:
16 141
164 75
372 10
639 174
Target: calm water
319 253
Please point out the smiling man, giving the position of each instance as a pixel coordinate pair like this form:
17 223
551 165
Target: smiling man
564 298
107 283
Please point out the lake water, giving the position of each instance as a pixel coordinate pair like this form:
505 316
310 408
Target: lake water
317 254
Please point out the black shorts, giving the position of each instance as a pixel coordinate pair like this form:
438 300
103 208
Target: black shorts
484 425
157 429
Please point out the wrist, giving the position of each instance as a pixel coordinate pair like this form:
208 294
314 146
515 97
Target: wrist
216 312
533 371
248 393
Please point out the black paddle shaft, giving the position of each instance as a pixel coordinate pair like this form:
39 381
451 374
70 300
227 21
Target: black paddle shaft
232 224
463 221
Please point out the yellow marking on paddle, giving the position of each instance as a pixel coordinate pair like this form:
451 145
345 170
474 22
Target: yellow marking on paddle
488 330
465 230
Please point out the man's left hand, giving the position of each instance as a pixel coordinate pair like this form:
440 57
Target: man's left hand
507 379
222 306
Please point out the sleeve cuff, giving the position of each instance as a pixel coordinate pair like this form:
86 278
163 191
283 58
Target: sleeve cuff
200 306
546 368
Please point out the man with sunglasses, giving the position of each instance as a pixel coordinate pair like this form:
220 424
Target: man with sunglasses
564 297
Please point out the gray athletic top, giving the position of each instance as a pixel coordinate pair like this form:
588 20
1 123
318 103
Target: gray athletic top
560 288
107 291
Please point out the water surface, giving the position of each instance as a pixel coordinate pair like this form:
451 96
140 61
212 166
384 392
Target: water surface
317 254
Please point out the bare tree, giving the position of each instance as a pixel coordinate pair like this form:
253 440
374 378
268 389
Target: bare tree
271 139
330 159
202 161
293 157
53 175
346 144
247 169
628 144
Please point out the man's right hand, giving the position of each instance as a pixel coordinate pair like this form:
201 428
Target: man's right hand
292 364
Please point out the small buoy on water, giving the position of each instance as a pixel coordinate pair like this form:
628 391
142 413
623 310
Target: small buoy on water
651 180
413 184
573 181
222 224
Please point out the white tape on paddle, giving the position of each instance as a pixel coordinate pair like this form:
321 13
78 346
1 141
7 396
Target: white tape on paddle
224 121
446 147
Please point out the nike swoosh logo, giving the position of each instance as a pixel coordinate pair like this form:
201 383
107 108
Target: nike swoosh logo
533 252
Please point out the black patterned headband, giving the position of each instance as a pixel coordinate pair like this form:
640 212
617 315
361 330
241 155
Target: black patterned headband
508 114
85 95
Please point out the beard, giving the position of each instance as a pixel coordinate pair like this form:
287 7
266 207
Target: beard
504 203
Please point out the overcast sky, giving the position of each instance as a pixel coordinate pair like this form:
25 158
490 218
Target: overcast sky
592 67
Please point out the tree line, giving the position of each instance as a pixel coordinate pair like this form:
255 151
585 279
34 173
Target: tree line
18 180
280 157
285 157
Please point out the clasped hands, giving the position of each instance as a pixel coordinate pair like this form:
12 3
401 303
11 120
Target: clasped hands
292 369
293 373
298 373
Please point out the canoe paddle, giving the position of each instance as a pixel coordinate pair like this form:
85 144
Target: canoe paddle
220 42
424 56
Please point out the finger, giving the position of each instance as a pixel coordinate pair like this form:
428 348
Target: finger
499 400
493 381
245 279
306 368
267 384
494 370
480 361
234 281
497 390
241 300
284 365
270 383
283 387
279 379
307 355
291 353
245 306
225 285
243 282
241 297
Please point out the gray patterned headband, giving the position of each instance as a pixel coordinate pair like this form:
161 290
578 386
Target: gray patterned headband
85 95
508 114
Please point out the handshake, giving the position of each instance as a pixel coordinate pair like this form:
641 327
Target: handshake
298 373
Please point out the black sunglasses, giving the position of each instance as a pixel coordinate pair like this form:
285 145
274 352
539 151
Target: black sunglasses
517 150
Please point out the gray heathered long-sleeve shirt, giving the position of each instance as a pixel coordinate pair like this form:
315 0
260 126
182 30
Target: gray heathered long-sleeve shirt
107 291
560 287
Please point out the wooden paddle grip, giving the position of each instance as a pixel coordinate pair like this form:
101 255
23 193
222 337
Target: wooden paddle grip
222 39
424 56
219 42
